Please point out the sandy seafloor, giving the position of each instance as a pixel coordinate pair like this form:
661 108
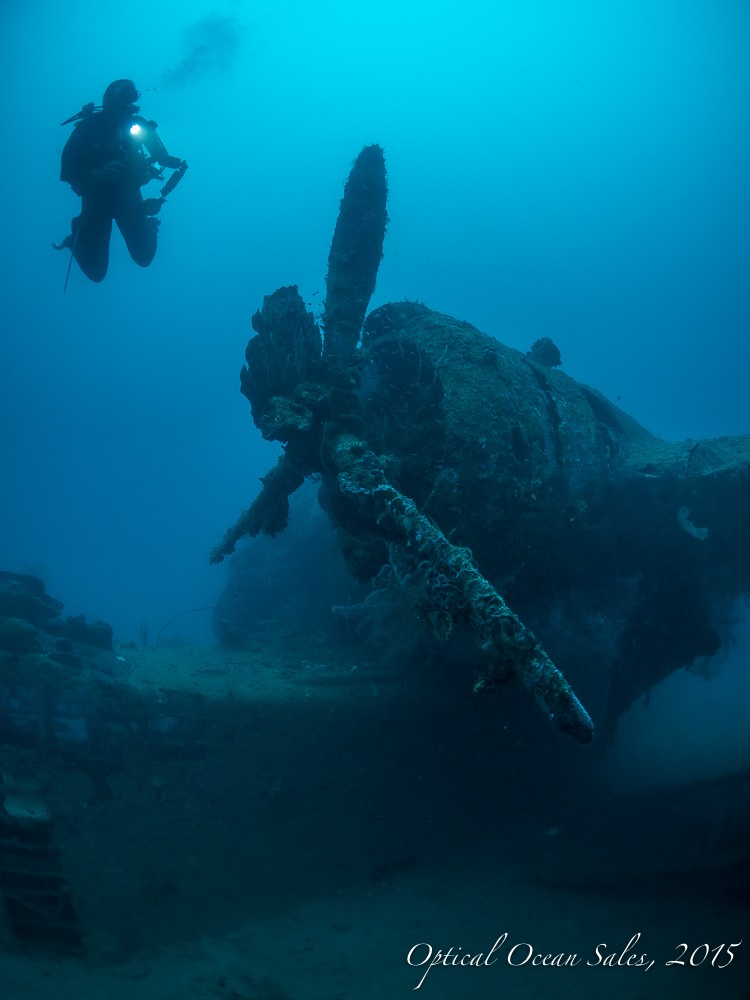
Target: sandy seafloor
353 945
351 942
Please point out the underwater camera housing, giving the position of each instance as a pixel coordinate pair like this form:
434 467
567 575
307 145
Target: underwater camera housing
144 132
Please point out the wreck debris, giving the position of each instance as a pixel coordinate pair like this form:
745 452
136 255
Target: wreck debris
26 610
32 883
683 517
545 352
482 465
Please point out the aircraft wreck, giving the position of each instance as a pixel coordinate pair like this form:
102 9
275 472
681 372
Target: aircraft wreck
506 497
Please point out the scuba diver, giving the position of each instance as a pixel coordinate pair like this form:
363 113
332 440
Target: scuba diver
104 162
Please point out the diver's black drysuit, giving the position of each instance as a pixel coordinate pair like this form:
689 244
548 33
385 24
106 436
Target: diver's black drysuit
104 163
